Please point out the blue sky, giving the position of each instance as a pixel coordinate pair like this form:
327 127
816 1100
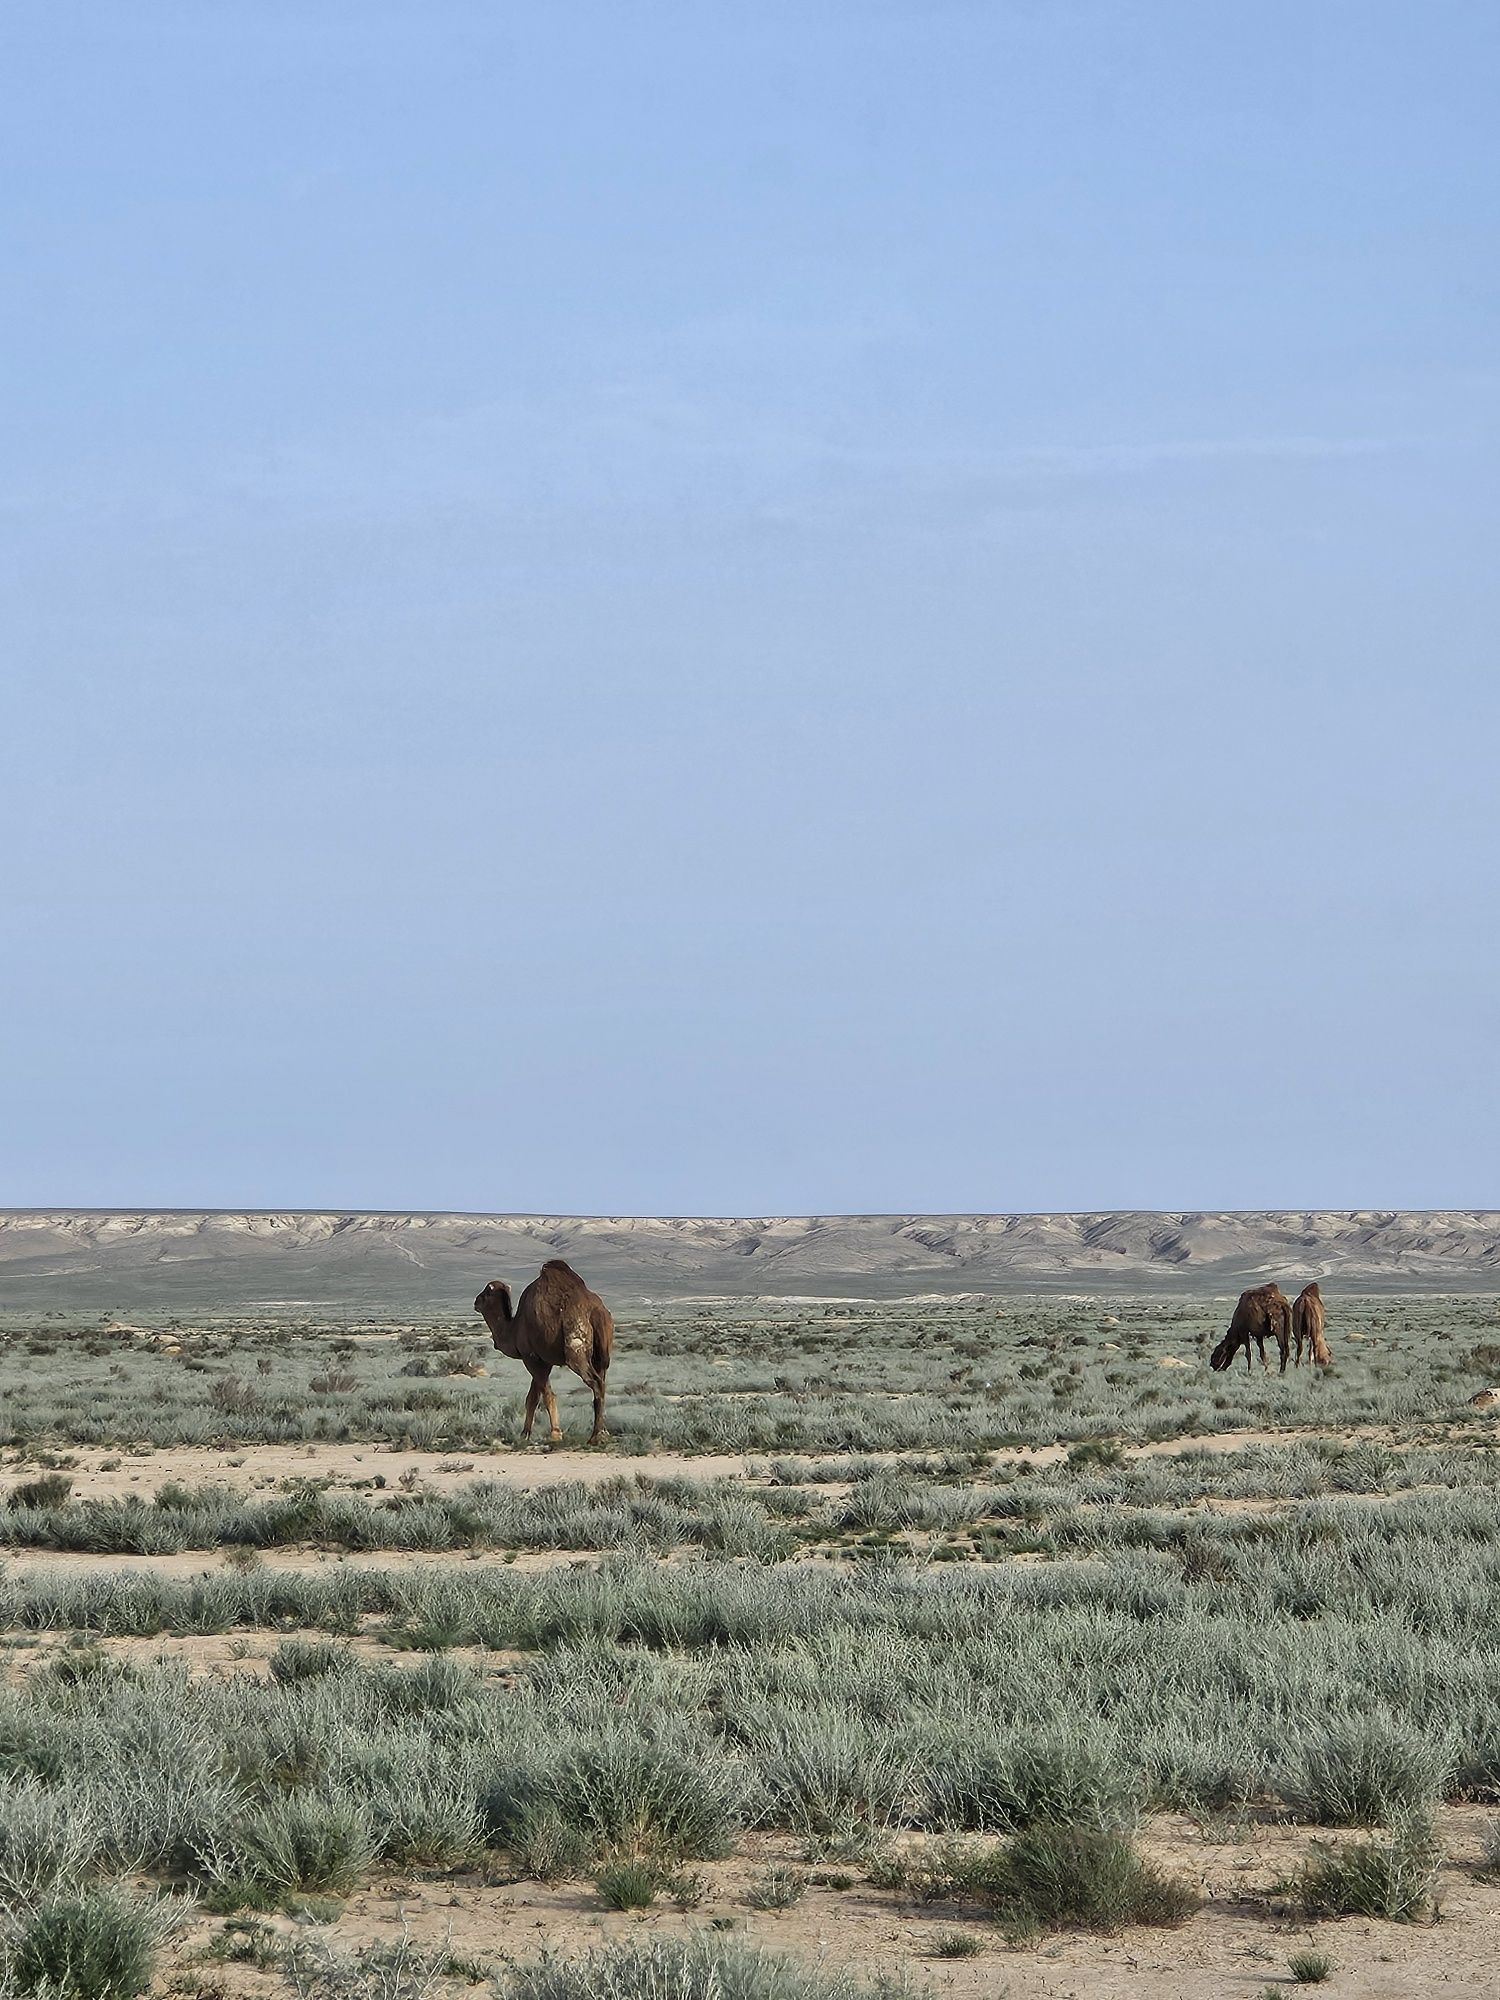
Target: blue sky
711 608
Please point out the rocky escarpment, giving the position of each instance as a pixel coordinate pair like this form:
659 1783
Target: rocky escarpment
80 1259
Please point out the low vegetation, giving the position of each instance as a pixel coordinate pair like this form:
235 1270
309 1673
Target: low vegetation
692 1968
88 1944
740 1376
1393 1878
963 1679
1055 1874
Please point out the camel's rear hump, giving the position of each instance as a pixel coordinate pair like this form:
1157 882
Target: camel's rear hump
580 1318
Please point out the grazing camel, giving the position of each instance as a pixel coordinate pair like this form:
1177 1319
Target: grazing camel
1307 1328
1259 1312
559 1323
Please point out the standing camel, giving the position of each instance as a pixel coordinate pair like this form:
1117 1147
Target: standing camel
1262 1311
559 1323
1307 1328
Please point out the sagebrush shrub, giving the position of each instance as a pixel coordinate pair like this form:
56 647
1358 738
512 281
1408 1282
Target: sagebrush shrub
544 1846
1090 1877
778 1888
429 1821
94 1944
1047 1875
309 1659
630 1883
48 1840
404 1970
50 1490
628 1792
1366 1771
1393 1879
698 1967
303 1841
832 1773
1053 1776
432 1685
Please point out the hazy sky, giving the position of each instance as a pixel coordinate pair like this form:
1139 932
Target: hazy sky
849 604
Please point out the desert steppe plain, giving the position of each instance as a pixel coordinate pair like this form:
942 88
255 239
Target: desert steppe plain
977 1640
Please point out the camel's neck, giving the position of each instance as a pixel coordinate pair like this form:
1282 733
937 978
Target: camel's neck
501 1321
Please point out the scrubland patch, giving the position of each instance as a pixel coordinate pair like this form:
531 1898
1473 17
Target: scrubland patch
996 1634
742 1376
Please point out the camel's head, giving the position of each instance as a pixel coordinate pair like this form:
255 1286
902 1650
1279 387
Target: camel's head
493 1307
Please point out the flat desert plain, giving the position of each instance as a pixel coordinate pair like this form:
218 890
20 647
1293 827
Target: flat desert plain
983 1643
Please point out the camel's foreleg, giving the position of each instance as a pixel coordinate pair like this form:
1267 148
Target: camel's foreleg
540 1392
533 1397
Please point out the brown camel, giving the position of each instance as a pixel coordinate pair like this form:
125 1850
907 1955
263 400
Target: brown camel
1307 1328
1259 1312
559 1323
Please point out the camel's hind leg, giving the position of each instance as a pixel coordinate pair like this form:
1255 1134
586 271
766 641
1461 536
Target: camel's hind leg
578 1354
551 1401
596 1383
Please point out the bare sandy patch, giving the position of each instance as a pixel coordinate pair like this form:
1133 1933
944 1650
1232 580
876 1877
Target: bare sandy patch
182 1563
1231 1950
113 1473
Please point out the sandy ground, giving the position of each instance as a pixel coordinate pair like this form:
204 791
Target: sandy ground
103 1473
221 1654
112 1473
1236 1946
199 1562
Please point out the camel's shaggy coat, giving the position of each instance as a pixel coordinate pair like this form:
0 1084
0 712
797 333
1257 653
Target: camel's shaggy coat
1260 1312
559 1323
1307 1327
